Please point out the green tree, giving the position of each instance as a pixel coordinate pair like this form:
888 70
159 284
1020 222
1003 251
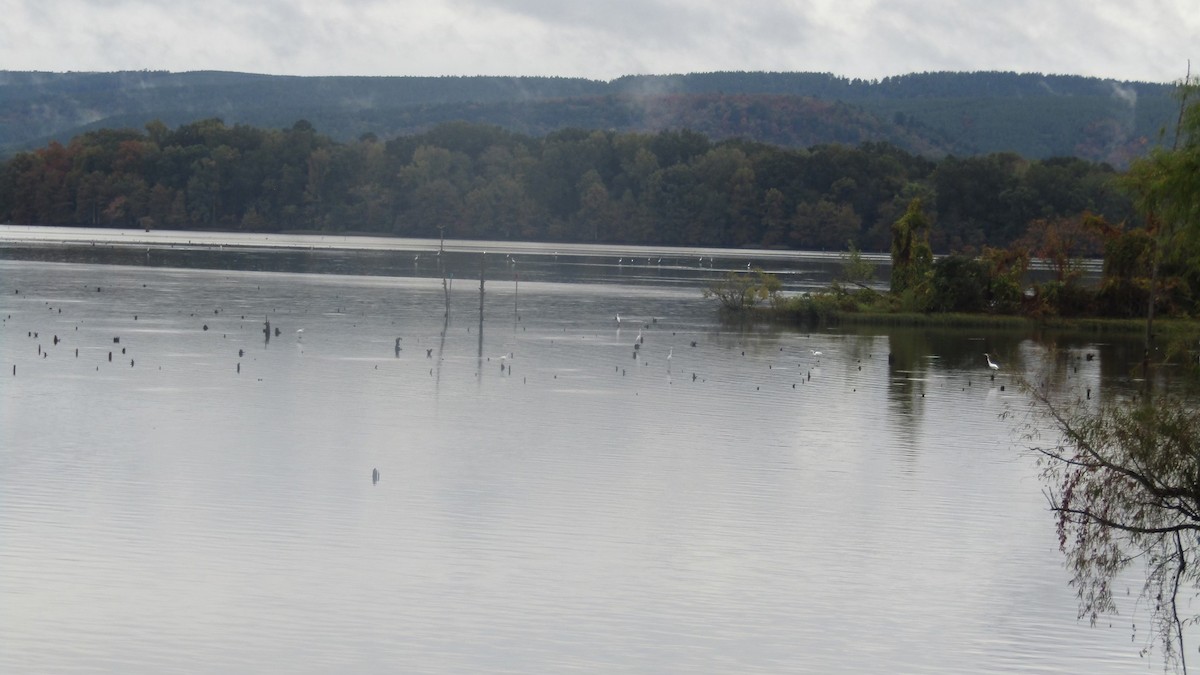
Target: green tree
203 192
856 269
980 200
638 166
596 210
824 225
496 209
1124 285
959 284
1006 270
1166 188
315 189
912 259
436 205
775 222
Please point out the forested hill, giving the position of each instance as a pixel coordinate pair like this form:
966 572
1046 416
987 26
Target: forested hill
932 114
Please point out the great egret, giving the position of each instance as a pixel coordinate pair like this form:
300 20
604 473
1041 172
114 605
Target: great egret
815 352
991 364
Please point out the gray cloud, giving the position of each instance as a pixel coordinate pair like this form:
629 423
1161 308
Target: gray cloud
1149 40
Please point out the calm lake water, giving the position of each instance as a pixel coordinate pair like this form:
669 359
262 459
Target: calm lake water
549 499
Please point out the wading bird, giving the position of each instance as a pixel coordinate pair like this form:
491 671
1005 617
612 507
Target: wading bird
991 364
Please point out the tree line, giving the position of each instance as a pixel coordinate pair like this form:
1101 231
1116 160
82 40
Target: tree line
478 181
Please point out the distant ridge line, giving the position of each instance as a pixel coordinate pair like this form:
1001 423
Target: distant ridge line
1032 114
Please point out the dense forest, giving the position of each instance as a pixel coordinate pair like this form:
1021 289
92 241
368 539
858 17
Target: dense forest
480 181
933 114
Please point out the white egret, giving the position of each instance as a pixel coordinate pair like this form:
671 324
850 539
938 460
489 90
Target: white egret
991 364
815 352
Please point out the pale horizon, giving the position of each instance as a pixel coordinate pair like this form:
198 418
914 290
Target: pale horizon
857 39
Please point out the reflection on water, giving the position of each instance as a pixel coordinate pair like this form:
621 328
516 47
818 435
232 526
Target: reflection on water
509 489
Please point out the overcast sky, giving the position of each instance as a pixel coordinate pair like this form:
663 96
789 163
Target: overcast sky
1148 40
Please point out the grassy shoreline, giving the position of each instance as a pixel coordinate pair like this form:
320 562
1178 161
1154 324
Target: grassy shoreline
834 317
